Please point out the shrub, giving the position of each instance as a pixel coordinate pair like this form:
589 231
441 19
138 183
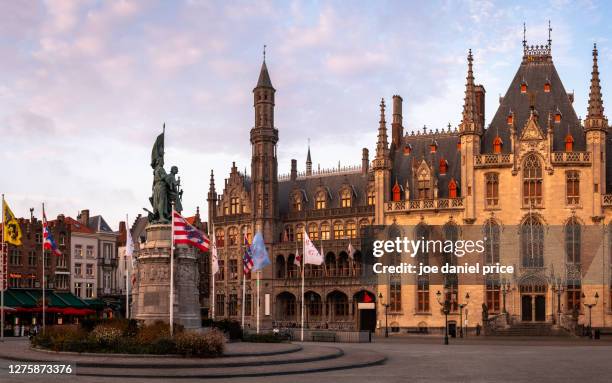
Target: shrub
57 337
163 346
231 327
211 343
152 332
106 335
263 338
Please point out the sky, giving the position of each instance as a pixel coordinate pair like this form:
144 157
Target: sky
85 86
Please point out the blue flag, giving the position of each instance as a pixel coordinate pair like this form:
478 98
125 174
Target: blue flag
260 254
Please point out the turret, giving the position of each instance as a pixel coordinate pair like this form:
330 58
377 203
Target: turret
382 168
397 129
308 162
212 200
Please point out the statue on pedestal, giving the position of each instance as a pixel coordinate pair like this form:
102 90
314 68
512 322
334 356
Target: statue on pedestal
166 188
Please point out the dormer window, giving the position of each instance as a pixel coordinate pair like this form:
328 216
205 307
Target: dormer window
407 149
510 119
569 143
443 166
547 87
235 205
297 203
557 117
497 145
433 147
397 192
320 201
458 145
345 198
523 87
452 189
371 197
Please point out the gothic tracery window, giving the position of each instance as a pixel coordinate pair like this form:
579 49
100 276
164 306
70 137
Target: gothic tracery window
492 190
572 187
572 241
491 235
345 198
532 181
532 242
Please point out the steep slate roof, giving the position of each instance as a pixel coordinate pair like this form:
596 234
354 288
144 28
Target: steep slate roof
535 74
447 149
98 223
77 227
332 182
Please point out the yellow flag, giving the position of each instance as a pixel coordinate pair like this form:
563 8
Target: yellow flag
12 230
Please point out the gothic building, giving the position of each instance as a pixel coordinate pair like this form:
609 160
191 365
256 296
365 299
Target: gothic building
533 185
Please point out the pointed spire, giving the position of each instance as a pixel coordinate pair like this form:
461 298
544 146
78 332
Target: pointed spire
212 181
470 120
595 108
264 77
308 161
382 146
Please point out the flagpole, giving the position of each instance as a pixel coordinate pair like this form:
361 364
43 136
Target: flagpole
172 273
258 272
243 295
303 264
212 270
127 272
3 277
43 269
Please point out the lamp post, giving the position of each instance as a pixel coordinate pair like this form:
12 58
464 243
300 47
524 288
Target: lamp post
386 306
558 287
590 306
461 306
445 309
505 288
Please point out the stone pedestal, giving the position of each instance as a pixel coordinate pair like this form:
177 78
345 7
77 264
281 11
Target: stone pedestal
151 293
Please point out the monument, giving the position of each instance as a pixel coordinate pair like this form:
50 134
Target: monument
151 291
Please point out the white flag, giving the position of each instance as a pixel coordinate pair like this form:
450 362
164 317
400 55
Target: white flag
311 254
297 260
351 251
129 244
214 257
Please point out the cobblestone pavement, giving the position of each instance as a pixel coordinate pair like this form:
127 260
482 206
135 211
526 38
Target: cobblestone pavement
426 359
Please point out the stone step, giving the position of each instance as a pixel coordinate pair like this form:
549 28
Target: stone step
348 359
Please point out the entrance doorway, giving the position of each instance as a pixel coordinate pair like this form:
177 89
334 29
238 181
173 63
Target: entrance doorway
540 308
533 300
526 308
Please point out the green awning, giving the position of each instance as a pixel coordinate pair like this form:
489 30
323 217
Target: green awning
95 303
33 298
71 300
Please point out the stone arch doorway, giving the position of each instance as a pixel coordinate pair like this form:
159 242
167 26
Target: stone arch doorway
533 299
364 306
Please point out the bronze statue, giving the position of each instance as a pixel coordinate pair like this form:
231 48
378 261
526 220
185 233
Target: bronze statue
166 189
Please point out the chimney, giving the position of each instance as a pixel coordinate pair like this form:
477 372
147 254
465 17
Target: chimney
365 161
397 130
480 103
122 233
84 217
293 170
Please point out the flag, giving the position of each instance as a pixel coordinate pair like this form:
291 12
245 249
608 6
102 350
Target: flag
48 241
351 251
247 260
129 244
214 257
12 230
311 254
298 259
260 254
185 234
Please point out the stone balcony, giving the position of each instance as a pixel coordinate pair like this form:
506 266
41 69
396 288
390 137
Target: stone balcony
493 160
424 204
571 158
606 200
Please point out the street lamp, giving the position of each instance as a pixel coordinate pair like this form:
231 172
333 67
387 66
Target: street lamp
461 306
386 306
445 309
590 306
558 288
505 288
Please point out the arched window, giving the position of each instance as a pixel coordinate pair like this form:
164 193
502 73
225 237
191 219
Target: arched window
423 183
325 232
532 181
452 188
345 198
338 230
497 145
491 233
289 234
299 233
313 231
246 232
232 235
220 237
397 192
351 230
235 205
337 306
572 189
330 264
572 241
532 242
280 267
492 190
451 233
297 203
320 201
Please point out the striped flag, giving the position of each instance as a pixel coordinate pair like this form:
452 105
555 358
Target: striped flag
48 241
247 261
185 234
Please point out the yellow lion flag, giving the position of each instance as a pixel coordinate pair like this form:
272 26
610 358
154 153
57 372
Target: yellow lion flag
12 230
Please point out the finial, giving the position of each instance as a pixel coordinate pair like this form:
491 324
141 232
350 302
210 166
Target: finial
164 128
549 38
524 36
264 53
595 49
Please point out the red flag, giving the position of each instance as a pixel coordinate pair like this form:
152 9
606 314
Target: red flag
185 234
